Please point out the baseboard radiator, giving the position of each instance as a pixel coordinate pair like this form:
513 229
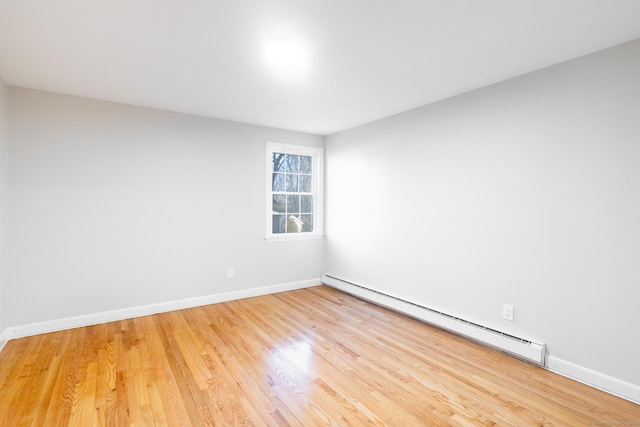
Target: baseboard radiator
515 346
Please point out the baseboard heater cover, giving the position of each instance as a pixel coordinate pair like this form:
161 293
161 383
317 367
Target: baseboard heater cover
518 347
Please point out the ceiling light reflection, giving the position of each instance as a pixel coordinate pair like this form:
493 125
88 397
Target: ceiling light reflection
287 58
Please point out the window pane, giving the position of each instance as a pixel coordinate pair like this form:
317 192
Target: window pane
279 224
296 175
294 224
292 163
293 204
277 160
279 203
305 164
292 183
305 184
306 204
277 181
307 223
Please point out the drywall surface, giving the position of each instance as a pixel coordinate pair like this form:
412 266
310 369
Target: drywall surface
4 144
114 206
526 193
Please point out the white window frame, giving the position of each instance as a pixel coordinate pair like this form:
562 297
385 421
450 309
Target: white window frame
317 181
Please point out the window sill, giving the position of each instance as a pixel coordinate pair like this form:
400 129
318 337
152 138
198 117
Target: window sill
293 238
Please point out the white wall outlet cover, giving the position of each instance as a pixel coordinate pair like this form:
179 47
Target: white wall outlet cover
507 312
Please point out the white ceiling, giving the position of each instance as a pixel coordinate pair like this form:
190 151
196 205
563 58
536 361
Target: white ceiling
367 58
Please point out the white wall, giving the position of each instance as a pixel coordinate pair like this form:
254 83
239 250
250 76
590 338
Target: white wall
4 144
526 192
114 206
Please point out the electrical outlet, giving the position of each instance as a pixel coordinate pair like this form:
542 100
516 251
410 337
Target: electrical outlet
230 273
507 312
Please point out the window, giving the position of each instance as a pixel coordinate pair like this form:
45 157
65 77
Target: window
294 191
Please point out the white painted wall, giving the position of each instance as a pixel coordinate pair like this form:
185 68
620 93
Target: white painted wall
4 144
526 192
114 206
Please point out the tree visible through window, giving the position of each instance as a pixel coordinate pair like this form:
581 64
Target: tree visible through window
293 189
292 202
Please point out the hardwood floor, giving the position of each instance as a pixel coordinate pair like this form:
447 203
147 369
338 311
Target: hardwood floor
311 357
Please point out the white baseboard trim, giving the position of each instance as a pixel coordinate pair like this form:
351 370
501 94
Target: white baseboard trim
594 379
127 313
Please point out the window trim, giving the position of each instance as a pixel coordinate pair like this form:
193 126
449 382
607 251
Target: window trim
317 155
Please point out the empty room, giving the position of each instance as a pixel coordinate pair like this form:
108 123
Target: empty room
310 213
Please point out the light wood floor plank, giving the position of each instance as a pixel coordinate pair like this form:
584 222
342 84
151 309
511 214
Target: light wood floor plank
311 357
